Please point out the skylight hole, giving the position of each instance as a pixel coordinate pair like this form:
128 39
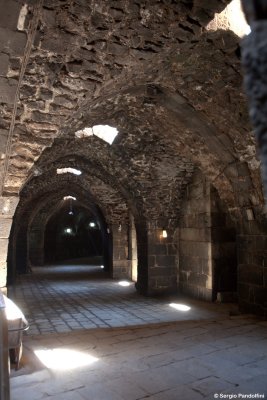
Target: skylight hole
69 170
104 132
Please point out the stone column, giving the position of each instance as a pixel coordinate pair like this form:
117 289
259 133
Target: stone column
254 59
162 265
7 210
252 261
121 263
133 249
195 263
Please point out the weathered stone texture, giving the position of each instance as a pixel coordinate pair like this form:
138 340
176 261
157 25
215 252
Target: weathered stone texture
195 241
173 89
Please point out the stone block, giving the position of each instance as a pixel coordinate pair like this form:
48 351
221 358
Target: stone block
5 226
117 49
197 279
204 220
165 260
205 294
250 274
196 190
190 263
12 42
195 234
8 90
201 205
196 249
205 266
8 205
190 290
158 249
3 249
4 63
165 285
9 14
61 43
162 271
3 274
3 140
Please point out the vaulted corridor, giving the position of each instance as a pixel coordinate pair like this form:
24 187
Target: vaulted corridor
126 146
63 298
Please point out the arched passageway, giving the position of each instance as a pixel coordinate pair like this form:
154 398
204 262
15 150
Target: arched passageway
71 233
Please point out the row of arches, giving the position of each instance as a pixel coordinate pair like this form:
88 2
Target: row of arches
198 256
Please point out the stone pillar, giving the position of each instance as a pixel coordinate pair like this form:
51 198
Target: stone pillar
254 59
7 210
252 271
162 265
121 263
195 263
133 249
252 260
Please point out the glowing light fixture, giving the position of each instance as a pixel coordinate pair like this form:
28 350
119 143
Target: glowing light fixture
66 170
64 359
180 307
124 283
102 266
104 132
69 197
92 224
164 233
68 230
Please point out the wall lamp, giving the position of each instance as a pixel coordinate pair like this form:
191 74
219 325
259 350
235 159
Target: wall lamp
164 233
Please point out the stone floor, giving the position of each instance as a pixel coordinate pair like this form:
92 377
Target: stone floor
91 338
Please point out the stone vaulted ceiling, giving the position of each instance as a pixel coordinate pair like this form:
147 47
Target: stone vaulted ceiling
172 88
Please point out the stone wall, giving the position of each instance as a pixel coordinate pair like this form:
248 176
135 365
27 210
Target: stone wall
121 263
195 261
7 209
252 270
162 266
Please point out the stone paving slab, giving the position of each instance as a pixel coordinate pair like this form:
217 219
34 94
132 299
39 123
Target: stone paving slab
66 298
135 368
144 349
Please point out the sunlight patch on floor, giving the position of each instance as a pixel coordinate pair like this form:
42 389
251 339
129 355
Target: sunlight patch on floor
64 359
180 307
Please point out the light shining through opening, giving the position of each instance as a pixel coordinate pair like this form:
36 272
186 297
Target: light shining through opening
180 307
66 170
64 359
68 230
69 197
104 132
92 224
124 283
102 266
